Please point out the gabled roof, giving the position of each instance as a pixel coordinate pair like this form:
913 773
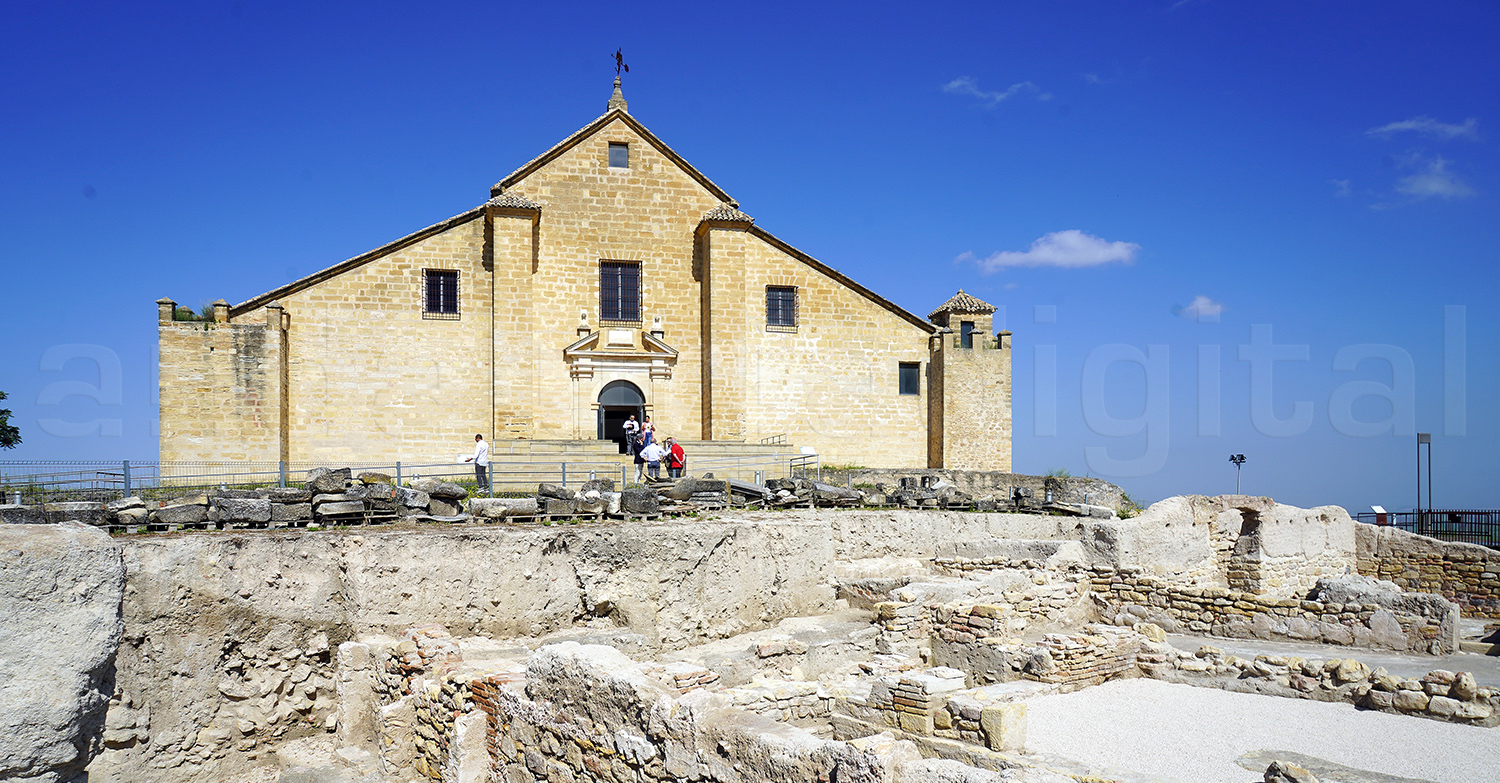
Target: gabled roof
962 303
848 282
590 129
355 262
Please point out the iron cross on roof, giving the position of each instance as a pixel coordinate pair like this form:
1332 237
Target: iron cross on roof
620 63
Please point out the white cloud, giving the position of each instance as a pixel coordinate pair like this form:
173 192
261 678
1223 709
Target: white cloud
1341 187
965 85
1201 308
1427 126
1430 178
1069 249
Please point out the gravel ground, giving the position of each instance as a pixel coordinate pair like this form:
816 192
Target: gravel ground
1167 732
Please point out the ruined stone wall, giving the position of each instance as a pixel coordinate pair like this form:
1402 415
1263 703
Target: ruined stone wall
358 343
992 483
1438 695
977 405
588 713
1128 596
831 382
1269 548
221 389
1466 574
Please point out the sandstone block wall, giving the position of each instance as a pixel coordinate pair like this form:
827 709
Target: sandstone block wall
1465 574
591 212
832 383
976 405
368 378
222 389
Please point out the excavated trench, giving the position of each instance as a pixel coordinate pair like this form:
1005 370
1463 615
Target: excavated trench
832 645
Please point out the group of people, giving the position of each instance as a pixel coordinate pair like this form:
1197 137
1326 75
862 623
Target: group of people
650 453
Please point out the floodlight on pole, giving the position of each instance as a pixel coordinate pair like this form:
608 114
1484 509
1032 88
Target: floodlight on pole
1423 439
1238 460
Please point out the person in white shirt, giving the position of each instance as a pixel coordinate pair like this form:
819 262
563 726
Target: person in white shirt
632 435
481 460
653 454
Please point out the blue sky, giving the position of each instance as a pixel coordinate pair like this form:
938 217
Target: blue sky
1327 171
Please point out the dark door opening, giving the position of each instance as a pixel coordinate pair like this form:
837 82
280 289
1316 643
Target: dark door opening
618 401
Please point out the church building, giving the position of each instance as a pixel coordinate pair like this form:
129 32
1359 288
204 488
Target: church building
606 277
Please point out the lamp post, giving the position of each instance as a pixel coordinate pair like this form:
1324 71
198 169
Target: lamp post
1238 460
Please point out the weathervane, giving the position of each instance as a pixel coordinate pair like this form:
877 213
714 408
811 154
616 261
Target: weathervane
620 63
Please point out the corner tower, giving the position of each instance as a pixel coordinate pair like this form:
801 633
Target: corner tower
969 405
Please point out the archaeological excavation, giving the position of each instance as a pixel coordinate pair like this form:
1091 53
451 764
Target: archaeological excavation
869 643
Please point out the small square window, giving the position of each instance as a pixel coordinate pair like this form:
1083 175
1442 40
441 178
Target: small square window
619 155
910 378
781 307
440 294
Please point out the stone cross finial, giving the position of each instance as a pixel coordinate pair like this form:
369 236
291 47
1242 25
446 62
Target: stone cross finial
617 100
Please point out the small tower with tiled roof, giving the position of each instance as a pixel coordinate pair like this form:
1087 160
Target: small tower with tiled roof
966 315
968 406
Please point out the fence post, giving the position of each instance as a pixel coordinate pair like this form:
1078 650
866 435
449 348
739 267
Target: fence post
398 472
624 477
489 480
565 474
281 470
125 471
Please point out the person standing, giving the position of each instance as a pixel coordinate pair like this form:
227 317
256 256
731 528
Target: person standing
632 435
653 454
481 460
676 459
648 432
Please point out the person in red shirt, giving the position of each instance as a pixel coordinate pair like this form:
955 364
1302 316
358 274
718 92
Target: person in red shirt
676 460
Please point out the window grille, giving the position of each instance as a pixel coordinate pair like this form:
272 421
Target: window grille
620 291
781 307
440 294
619 155
910 379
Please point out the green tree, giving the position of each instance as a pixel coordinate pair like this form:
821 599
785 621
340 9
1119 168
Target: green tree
10 436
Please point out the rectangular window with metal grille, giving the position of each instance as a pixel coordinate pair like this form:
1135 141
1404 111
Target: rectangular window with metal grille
910 378
781 307
440 294
620 291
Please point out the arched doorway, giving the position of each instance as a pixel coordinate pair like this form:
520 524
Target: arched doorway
619 400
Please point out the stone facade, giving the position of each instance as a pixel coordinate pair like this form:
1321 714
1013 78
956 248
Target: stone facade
295 374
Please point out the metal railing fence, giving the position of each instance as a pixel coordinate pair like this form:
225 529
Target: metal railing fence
49 481
1470 526
33 482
